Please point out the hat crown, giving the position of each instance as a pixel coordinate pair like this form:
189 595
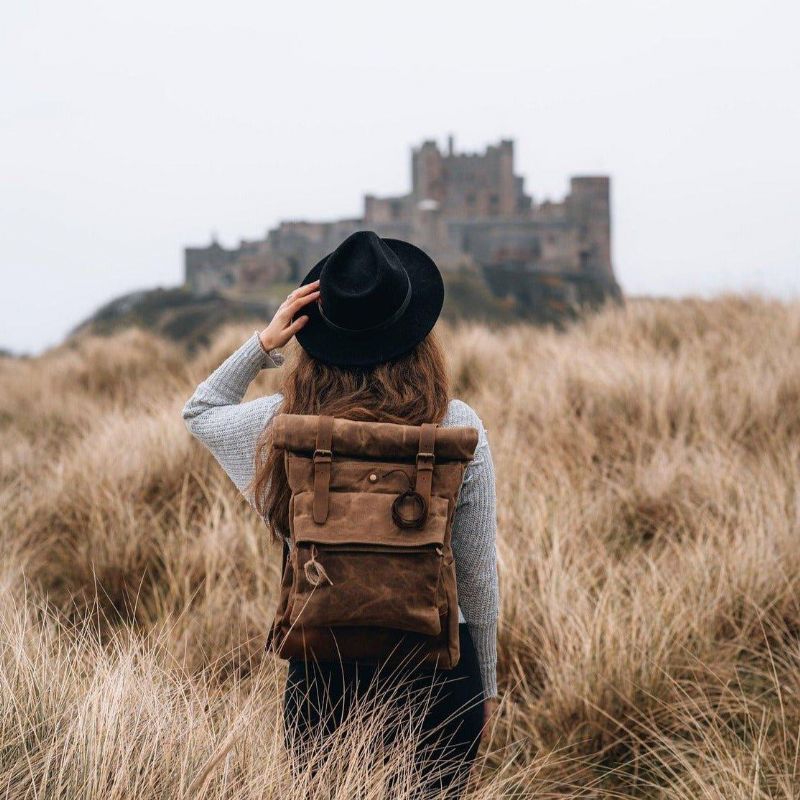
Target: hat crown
362 283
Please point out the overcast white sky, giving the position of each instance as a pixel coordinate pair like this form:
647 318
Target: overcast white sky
129 130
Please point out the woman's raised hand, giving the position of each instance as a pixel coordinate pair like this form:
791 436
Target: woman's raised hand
281 329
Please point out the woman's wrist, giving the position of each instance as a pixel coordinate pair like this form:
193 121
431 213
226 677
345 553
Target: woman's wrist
266 344
274 358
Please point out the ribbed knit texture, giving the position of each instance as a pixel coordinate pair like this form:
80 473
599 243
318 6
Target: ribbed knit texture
229 428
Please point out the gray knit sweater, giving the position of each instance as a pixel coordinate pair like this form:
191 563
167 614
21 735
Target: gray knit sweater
229 428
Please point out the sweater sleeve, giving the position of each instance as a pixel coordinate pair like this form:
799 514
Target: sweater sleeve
474 548
216 416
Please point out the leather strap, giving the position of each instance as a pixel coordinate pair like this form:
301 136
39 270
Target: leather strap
322 469
425 461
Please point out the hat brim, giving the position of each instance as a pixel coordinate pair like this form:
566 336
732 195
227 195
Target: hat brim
364 349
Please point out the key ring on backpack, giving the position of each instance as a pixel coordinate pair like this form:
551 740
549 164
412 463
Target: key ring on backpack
410 493
315 572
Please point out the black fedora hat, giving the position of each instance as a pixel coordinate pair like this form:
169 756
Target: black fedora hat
378 299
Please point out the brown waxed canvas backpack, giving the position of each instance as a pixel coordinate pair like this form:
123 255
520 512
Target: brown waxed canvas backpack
370 574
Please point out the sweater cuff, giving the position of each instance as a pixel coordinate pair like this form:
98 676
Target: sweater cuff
484 638
268 359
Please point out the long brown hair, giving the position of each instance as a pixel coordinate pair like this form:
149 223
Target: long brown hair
412 389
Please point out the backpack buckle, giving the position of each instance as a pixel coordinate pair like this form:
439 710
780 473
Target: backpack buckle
426 459
322 456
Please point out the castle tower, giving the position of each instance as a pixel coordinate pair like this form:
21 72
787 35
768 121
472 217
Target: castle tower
426 173
468 185
589 208
506 183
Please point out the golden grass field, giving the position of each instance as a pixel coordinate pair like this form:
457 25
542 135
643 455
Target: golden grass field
648 464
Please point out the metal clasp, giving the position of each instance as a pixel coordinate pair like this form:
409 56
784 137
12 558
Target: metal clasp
427 459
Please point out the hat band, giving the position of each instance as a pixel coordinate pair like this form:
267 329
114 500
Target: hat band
382 324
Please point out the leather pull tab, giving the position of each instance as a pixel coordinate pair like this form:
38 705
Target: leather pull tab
425 462
323 456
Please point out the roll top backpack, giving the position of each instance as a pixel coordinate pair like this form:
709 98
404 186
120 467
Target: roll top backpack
369 573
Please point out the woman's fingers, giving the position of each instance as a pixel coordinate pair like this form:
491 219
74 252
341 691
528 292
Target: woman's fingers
283 327
309 287
301 291
285 313
301 301
296 300
296 325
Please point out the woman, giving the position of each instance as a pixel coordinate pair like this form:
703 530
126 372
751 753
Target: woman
363 317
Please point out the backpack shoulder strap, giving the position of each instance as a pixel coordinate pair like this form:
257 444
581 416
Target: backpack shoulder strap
322 468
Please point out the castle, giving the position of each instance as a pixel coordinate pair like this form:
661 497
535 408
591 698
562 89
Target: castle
468 211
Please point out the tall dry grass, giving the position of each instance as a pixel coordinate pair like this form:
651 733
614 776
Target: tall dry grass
648 468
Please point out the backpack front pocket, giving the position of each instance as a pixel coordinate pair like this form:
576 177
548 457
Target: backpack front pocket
369 585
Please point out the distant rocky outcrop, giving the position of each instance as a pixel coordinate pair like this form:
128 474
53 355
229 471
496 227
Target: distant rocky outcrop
192 319
175 313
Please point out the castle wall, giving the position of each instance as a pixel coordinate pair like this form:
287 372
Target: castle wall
303 244
386 210
207 268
